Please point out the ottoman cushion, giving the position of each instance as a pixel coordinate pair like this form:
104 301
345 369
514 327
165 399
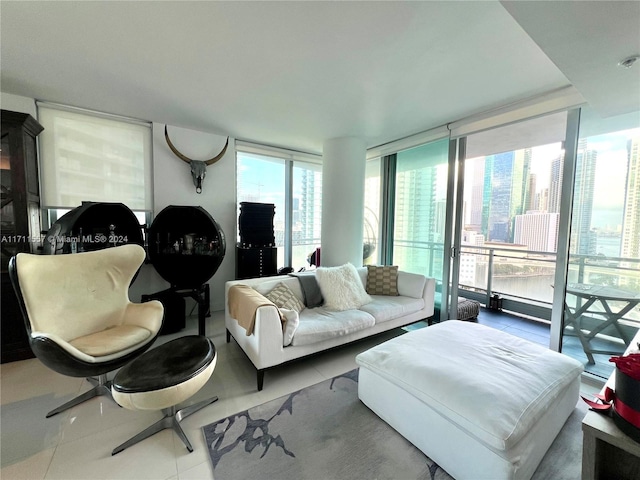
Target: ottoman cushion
166 375
467 309
491 384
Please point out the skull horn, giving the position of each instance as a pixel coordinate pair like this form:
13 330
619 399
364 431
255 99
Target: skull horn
184 158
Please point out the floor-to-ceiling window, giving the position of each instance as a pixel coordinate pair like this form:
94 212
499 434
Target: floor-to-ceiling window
602 311
306 210
511 213
261 179
293 183
419 209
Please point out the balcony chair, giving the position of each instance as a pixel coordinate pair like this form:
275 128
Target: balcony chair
79 319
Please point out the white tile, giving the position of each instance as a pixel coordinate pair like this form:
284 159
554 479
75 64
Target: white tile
33 467
78 443
199 472
29 378
25 431
100 414
90 457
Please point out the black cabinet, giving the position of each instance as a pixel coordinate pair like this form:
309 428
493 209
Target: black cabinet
20 220
256 262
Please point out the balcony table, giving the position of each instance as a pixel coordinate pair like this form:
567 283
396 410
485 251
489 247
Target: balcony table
602 294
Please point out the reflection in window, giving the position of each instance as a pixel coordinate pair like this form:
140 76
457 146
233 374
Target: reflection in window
370 243
262 178
420 207
306 212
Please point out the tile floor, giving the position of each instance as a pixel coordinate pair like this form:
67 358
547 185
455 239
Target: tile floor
77 444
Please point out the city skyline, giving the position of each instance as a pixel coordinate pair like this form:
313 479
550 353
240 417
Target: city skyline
539 170
600 188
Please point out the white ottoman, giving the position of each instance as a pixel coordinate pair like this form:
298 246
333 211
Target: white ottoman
481 403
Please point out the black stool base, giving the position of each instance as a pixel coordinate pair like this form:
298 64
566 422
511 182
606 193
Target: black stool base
171 419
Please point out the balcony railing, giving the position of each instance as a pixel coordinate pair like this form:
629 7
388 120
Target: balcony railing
524 278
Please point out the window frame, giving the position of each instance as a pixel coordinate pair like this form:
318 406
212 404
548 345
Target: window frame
291 159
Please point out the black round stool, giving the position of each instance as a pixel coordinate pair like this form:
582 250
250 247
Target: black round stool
162 378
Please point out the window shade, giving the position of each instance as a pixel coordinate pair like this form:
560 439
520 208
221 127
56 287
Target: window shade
87 157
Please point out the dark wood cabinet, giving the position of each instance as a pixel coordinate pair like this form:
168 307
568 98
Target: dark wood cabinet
20 220
256 262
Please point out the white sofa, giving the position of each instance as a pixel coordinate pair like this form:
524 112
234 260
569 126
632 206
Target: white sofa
321 329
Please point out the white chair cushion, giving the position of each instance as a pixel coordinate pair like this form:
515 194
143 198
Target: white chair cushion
111 340
78 294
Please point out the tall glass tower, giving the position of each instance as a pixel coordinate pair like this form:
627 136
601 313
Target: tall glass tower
631 221
505 191
583 241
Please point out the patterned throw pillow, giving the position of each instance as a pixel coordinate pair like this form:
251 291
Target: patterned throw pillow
382 280
283 297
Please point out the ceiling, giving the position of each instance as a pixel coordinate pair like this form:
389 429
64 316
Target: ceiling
295 74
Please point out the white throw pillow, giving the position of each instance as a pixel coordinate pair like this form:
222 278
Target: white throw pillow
341 287
291 325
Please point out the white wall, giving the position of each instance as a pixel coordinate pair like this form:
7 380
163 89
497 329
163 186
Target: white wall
343 172
16 103
173 186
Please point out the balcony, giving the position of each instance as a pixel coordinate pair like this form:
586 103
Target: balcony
523 281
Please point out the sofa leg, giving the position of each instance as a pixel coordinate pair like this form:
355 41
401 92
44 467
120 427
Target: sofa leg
228 336
260 378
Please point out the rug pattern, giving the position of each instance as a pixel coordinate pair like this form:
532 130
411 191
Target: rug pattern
325 432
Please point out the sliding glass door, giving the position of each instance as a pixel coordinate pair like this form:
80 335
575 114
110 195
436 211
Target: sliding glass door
512 199
420 211
602 312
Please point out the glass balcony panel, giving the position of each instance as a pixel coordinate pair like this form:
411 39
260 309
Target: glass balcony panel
602 310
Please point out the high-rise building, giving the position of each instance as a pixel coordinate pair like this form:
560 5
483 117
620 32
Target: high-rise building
469 258
538 231
542 200
310 211
477 186
630 247
583 240
505 190
530 199
419 214
555 186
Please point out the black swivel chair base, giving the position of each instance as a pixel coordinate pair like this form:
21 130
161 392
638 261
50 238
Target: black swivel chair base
102 386
171 419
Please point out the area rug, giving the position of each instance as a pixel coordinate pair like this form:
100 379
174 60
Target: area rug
326 432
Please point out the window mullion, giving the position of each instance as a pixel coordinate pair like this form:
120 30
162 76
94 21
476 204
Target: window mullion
288 215
388 207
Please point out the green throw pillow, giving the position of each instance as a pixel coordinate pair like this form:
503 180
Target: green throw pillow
382 280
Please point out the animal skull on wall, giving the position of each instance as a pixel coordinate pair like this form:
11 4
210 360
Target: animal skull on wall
198 167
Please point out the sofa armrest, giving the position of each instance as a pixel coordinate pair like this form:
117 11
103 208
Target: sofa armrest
411 284
264 346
